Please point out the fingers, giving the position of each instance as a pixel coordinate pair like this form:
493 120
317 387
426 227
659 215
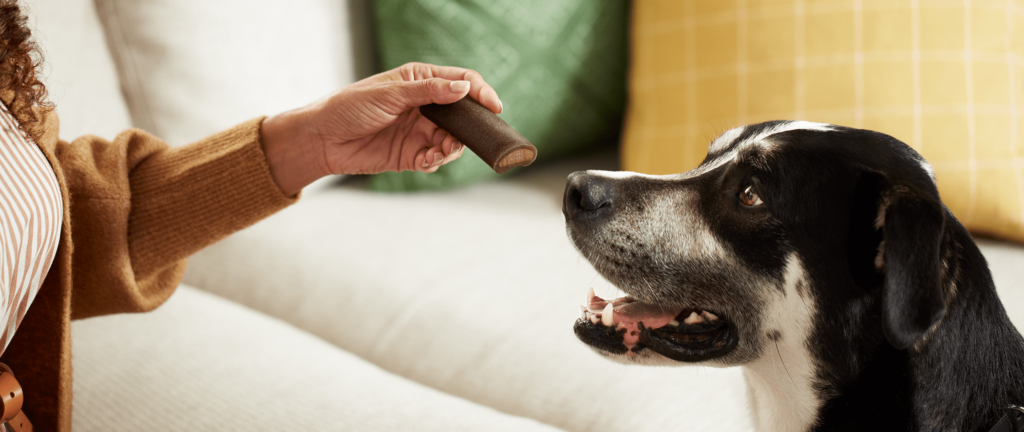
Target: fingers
447 142
446 149
423 159
482 92
432 90
479 89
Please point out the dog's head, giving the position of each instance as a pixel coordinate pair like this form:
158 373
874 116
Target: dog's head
787 229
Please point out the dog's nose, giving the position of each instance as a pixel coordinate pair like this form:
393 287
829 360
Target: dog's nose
586 193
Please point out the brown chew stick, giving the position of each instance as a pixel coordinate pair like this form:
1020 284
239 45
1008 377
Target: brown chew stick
484 132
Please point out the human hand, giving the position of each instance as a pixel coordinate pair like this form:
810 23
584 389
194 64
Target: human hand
371 126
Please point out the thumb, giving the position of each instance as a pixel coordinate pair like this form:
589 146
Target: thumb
433 90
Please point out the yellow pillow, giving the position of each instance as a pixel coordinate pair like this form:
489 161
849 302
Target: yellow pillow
944 78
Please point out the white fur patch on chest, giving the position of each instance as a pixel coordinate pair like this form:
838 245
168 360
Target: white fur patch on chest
780 383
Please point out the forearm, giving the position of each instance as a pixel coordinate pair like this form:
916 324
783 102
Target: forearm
188 197
293 150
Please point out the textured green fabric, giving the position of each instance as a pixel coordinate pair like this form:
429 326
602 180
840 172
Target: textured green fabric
559 67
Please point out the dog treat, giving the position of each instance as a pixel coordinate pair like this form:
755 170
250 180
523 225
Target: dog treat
480 129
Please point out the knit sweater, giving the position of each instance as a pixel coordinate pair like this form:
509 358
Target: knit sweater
134 209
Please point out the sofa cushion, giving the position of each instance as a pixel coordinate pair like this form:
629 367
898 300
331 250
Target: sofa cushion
190 68
943 77
473 292
203 363
1006 260
78 70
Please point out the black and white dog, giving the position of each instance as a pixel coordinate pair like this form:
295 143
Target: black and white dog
821 260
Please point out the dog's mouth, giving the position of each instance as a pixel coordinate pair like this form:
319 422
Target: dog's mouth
627 326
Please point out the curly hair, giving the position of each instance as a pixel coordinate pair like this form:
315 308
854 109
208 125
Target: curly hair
19 61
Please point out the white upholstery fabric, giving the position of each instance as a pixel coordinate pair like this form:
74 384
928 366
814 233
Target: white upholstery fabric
202 363
78 70
1007 264
190 68
472 292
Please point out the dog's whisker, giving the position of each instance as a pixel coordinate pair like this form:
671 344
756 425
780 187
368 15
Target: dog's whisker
774 373
783 362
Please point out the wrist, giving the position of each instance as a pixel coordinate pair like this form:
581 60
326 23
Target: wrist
293 150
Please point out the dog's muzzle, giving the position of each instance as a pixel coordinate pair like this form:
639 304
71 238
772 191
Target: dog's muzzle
627 325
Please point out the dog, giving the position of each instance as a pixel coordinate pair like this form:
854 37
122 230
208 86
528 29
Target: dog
817 257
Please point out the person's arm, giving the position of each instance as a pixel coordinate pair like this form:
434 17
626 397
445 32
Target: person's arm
139 207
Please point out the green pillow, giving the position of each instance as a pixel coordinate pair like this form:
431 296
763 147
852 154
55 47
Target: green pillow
558 66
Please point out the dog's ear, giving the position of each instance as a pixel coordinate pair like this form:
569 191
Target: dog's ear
912 298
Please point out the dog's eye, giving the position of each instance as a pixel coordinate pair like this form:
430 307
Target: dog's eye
750 198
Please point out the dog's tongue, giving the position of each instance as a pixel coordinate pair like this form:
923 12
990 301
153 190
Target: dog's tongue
627 313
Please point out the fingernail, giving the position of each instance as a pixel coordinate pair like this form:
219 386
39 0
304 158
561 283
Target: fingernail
438 157
425 164
456 146
459 86
501 106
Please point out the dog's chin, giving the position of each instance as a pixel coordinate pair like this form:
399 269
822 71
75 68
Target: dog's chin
644 358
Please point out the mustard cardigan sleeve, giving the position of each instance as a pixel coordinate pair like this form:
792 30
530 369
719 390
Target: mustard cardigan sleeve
138 208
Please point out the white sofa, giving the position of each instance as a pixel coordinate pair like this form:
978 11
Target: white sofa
349 310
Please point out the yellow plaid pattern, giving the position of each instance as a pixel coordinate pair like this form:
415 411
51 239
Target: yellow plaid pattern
944 76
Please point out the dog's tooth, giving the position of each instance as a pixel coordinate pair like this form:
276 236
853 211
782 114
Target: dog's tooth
608 315
590 295
673 323
693 319
709 316
594 319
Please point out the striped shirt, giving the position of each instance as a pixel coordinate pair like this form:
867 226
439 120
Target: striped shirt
31 211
